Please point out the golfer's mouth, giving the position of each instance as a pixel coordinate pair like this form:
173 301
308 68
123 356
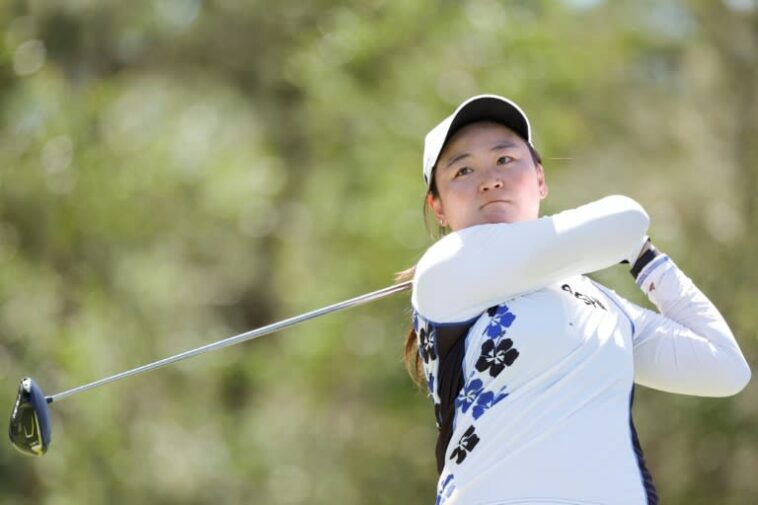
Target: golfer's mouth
494 202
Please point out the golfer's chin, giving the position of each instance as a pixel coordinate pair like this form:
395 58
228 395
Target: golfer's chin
500 213
493 214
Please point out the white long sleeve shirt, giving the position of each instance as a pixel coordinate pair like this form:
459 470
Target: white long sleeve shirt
551 358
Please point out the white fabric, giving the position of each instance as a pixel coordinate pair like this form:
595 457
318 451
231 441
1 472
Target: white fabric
453 279
690 348
544 415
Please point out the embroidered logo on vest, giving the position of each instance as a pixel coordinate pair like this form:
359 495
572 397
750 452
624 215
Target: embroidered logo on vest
588 300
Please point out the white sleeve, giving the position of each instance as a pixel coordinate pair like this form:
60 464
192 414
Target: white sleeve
688 348
470 270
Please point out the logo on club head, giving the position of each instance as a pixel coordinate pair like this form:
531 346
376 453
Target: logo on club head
34 429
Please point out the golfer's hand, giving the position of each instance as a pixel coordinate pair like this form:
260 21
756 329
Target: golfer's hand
647 253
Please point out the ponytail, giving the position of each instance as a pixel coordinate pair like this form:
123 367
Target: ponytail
411 356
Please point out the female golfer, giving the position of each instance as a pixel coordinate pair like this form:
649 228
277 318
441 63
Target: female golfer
531 365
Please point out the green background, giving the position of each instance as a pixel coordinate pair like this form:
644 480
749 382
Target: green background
173 172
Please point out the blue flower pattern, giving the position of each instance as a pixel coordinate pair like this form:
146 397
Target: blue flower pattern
446 488
486 400
497 353
468 395
501 320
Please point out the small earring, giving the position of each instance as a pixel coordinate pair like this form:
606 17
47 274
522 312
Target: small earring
443 223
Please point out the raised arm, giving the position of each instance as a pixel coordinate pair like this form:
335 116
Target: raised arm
688 348
468 271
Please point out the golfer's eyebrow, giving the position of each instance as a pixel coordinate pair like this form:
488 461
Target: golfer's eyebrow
456 158
500 145
504 145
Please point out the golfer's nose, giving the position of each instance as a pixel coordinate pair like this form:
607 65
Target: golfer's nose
492 180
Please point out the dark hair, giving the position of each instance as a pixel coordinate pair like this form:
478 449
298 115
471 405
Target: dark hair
411 356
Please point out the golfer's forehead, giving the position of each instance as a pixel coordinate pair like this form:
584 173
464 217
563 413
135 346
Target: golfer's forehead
477 136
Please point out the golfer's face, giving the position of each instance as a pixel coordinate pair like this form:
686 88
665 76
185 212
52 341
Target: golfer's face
486 174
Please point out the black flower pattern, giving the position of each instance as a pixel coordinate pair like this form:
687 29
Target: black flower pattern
466 444
426 344
496 358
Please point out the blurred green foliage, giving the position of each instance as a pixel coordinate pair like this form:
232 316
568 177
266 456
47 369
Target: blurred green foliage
173 172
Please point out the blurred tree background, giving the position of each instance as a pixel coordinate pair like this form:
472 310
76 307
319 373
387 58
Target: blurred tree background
173 172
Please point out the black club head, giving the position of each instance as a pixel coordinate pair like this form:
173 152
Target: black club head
29 428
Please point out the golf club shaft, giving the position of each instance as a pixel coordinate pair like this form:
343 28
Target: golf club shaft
242 337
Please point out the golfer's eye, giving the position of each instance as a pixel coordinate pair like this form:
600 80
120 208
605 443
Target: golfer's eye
503 160
463 171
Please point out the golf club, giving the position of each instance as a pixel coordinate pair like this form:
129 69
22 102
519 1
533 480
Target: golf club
29 428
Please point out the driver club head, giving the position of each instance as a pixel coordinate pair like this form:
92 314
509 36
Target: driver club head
29 428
